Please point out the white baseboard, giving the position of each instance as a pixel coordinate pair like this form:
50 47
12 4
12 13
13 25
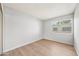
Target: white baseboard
19 46
59 41
26 44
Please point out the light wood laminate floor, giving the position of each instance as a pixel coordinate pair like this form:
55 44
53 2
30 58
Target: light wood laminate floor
43 48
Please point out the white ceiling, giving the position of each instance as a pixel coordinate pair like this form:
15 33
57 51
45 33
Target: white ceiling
43 10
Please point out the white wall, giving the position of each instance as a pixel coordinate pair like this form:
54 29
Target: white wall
60 37
76 29
20 29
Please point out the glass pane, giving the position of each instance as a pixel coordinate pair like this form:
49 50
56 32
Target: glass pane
55 29
67 29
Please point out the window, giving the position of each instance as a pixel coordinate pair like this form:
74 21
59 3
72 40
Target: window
62 26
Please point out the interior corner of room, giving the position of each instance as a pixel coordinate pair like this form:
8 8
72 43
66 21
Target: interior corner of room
38 26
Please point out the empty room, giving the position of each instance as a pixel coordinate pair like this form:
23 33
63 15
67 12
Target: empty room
39 29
